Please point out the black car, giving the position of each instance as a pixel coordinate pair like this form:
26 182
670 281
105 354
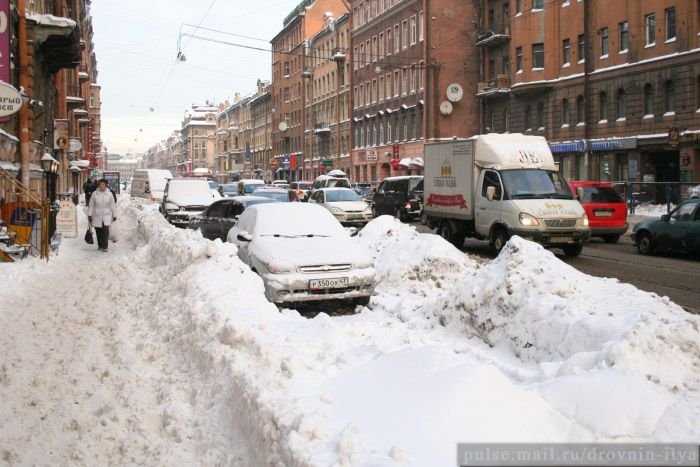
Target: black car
678 231
399 196
216 220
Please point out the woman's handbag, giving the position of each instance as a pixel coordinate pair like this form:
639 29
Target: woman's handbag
88 236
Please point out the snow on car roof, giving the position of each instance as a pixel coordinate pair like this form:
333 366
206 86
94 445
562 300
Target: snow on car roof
295 219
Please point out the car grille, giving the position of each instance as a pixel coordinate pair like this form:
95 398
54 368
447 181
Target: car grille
560 223
325 268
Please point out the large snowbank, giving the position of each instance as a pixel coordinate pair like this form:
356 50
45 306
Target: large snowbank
523 348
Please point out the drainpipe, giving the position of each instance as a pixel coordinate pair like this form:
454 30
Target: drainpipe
24 135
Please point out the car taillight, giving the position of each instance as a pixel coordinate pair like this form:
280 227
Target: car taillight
407 205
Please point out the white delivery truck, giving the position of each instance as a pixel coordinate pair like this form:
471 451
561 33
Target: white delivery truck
149 184
495 186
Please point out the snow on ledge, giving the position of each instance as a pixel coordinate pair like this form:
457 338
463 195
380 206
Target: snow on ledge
51 20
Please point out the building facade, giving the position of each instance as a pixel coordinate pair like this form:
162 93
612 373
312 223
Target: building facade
288 90
614 86
409 77
198 135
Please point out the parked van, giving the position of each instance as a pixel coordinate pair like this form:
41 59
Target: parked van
149 184
399 196
605 207
248 185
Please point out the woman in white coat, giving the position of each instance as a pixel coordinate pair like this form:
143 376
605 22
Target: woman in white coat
101 213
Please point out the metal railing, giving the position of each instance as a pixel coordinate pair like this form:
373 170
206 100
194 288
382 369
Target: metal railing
19 197
669 194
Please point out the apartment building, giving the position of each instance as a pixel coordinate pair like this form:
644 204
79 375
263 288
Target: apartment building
289 55
230 124
198 136
261 145
614 86
327 101
413 63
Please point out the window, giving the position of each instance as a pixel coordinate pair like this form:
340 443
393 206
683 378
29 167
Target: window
414 30
669 97
286 68
566 48
604 42
603 106
519 59
620 104
491 178
670 24
397 39
648 99
540 116
404 81
388 42
581 48
375 49
381 88
518 6
381 45
624 36
650 29
580 110
537 4
537 56
362 55
565 112
404 34
528 118
355 60
397 84
420 25
388 86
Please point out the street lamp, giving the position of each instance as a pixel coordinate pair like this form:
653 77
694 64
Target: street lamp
50 166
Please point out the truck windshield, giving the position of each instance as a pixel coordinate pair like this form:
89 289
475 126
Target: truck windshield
535 183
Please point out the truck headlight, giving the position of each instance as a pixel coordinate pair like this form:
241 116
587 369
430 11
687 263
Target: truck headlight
584 220
528 220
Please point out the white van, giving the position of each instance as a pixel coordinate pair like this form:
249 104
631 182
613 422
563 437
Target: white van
149 184
248 185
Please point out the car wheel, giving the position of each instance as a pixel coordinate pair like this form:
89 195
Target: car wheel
572 250
423 218
400 215
499 238
644 243
611 238
362 301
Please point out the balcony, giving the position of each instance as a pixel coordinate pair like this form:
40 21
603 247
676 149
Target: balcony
496 87
338 54
306 72
73 95
322 129
495 35
57 39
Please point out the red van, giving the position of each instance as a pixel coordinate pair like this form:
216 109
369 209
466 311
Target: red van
605 207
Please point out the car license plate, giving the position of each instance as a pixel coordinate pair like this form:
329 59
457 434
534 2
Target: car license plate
603 213
336 283
561 240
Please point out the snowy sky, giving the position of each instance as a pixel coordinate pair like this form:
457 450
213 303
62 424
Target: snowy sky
136 45
164 351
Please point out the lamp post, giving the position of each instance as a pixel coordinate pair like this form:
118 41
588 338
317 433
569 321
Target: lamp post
50 166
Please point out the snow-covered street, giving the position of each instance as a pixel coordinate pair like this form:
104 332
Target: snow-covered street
164 351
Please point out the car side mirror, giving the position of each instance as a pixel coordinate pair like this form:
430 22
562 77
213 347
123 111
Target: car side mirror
244 236
352 231
664 218
490 192
579 193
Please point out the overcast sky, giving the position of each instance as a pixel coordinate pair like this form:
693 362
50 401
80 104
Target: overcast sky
136 44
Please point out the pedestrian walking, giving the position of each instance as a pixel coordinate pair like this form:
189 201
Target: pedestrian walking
102 212
89 187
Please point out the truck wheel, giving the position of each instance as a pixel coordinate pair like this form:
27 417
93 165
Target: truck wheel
448 231
423 218
499 238
644 243
611 238
572 250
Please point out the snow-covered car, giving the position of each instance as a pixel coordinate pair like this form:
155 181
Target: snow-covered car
273 192
184 198
344 203
216 220
302 253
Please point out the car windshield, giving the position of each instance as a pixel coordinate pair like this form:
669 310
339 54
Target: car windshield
228 188
601 194
277 195
342 195
296 220
415 185
304 186
535 183
213 185
251 187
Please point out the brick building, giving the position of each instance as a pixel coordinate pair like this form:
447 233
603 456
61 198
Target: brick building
412 62
605 82
289 56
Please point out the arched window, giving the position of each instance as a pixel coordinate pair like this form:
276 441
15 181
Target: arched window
648 99
669 97
620 103
580 110
565 112
603 106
